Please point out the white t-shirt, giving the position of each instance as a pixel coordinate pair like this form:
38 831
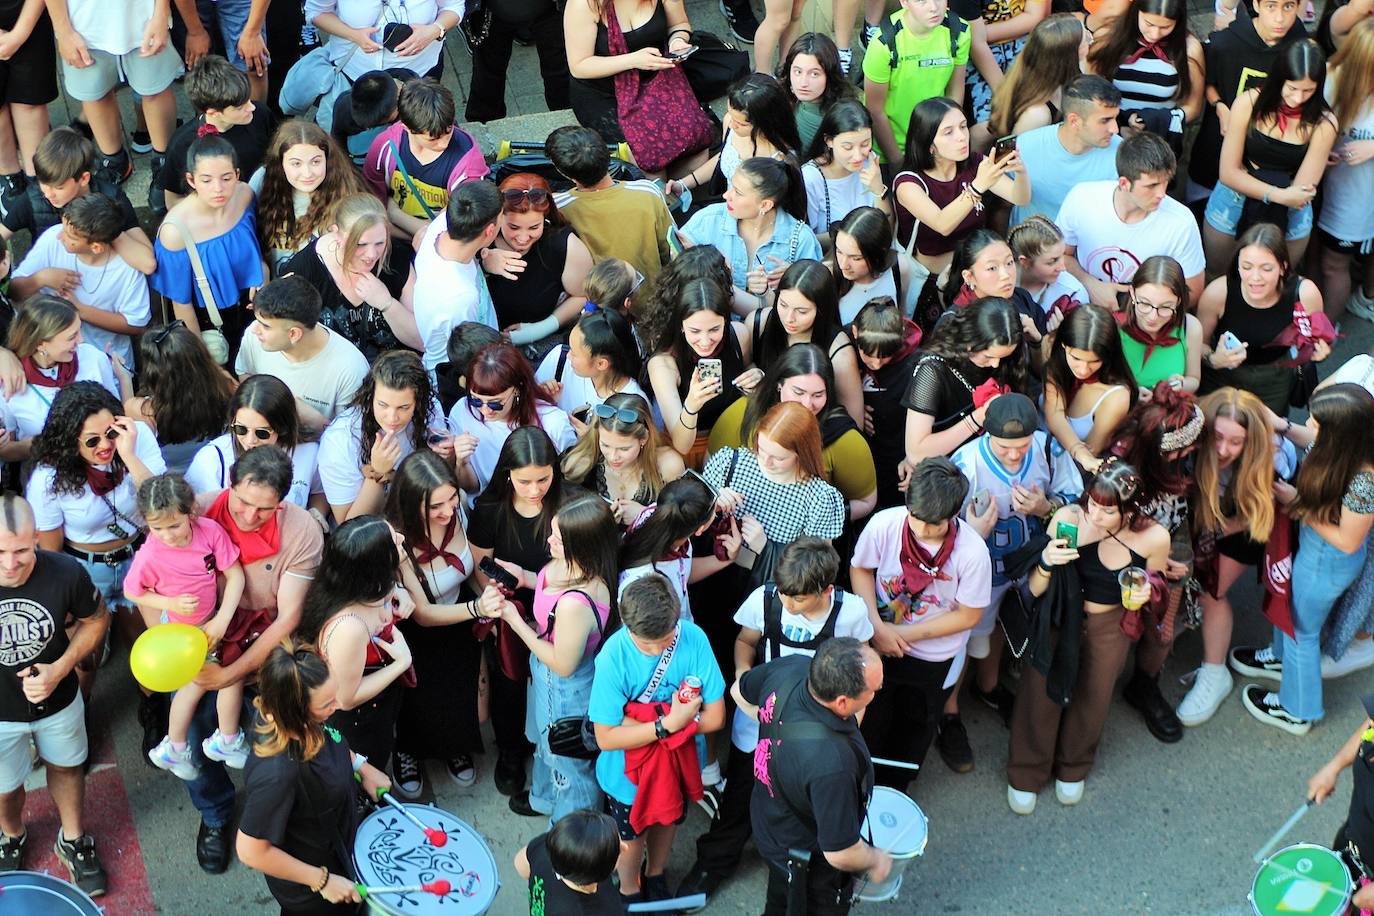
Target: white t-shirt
578 392
885 284
1111 250
1066 285
677 572
30 407
327 381
338 464
1346 212
113 287
852 621
969 567
208 471
447 293
829 200
115 27
491 436
83 516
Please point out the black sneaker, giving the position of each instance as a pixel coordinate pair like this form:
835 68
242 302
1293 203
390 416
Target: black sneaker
698 881
510 775
1257 661
11 186
114 169
999 699
80 858
12 852
655 887
408 780
1264 705
462 770
739 15
710 799
952 742
140 142
157 203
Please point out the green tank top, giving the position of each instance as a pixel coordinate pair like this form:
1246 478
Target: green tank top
808 116
1164 361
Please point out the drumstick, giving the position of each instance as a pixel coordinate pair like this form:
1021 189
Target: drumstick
902 764
677 903
439 888
1287 826
435 836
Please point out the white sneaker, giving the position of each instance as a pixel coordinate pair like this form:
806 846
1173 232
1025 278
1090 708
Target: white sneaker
232 753
1359 655
177 763
1020 802
1360 305
1211 687
1069 793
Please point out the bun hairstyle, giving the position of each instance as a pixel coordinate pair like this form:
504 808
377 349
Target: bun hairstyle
1154 436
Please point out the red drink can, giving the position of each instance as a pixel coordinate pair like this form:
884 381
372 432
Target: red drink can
690 689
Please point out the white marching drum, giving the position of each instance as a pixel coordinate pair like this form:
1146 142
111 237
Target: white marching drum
390 851
897 824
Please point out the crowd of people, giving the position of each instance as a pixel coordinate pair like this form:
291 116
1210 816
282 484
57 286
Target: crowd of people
706 459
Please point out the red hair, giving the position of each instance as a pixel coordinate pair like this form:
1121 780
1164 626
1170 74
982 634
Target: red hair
528 181
794 428
499 366
1137 440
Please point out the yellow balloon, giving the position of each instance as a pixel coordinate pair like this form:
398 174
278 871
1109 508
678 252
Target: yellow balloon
168 656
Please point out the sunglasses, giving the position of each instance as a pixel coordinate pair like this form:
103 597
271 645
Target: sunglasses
623 414
161 334
477 403
93 441
525 198
262 434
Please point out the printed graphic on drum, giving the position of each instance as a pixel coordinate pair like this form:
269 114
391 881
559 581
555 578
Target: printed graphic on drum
1304 878
390 851
896 823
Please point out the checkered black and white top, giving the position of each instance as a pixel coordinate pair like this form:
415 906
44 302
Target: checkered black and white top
786 510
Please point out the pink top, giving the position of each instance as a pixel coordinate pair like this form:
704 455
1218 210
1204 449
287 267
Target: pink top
545 601
173 571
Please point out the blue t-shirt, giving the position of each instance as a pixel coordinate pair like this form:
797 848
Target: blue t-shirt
1054 172
622 672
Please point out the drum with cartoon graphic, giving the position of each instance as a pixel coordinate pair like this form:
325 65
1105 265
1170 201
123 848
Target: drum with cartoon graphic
390 851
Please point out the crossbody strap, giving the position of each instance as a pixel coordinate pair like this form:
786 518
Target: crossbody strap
647 694
405 176
198 271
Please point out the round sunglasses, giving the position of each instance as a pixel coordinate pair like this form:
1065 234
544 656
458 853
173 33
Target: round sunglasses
260 433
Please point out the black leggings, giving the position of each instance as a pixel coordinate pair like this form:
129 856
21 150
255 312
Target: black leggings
900 722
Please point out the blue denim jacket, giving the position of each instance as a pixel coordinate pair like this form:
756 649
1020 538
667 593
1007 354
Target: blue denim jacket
792 240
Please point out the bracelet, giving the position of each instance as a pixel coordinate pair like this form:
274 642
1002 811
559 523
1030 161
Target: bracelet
976 193
324 880
1267 189
690 413
679 31
359 761
442 31
1287 426
1040 565
389 303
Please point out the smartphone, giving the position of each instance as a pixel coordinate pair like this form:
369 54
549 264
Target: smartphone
980 502
680 56
710 368
1229 341
498 574
1003 146
393 33
1067 531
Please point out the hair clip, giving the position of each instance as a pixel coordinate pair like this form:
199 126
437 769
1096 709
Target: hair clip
590 307
1185 435
205 130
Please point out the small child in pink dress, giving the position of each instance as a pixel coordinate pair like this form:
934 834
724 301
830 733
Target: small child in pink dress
172 579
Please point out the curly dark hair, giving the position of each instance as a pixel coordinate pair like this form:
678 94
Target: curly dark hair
399 370
655 316
187 392
56 445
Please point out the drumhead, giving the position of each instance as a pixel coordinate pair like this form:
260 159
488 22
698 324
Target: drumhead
894 818
30 893
1304 878
389 851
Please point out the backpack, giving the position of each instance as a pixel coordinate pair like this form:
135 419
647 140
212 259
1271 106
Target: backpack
889 28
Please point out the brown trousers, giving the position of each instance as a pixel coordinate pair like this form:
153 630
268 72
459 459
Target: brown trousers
1060 742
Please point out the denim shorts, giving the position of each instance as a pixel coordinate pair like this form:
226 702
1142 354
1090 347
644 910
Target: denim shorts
60 739
145 75
230 16
109 580
1225 205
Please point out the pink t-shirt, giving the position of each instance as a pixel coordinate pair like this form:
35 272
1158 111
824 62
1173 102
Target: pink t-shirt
969 567
190 570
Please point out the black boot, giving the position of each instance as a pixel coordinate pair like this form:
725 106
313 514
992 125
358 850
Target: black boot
1142 693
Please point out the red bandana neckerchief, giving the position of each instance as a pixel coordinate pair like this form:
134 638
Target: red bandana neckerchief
1151 341
253 545
66 373
1285 116
428 552
103 482
919 568
1146 48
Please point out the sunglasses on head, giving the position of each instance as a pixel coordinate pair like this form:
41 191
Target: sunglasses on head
262 434
162 333
478 403
93 441
623 414
522 198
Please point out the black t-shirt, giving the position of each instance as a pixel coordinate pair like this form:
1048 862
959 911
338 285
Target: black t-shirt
248 140
549 896
33 619
884 391
361 325
22 213
537 290
942 388
513 538
809 794
307 811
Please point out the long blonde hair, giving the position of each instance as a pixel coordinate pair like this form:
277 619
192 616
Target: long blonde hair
581 460
1356 75
1252 477
1045 66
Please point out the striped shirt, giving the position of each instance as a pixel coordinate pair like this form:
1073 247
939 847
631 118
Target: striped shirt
1147 83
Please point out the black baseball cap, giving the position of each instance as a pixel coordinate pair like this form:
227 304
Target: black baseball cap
1011 416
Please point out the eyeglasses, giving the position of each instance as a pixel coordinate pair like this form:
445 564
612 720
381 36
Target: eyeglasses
623 414
262 434
162 333
477 403
525 198
1163 311
93 441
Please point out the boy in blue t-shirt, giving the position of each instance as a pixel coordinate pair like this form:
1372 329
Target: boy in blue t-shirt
631 668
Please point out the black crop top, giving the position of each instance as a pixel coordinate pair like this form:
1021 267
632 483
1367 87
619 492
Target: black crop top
1265 152
1099 582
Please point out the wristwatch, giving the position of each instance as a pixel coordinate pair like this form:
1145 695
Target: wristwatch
660 730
